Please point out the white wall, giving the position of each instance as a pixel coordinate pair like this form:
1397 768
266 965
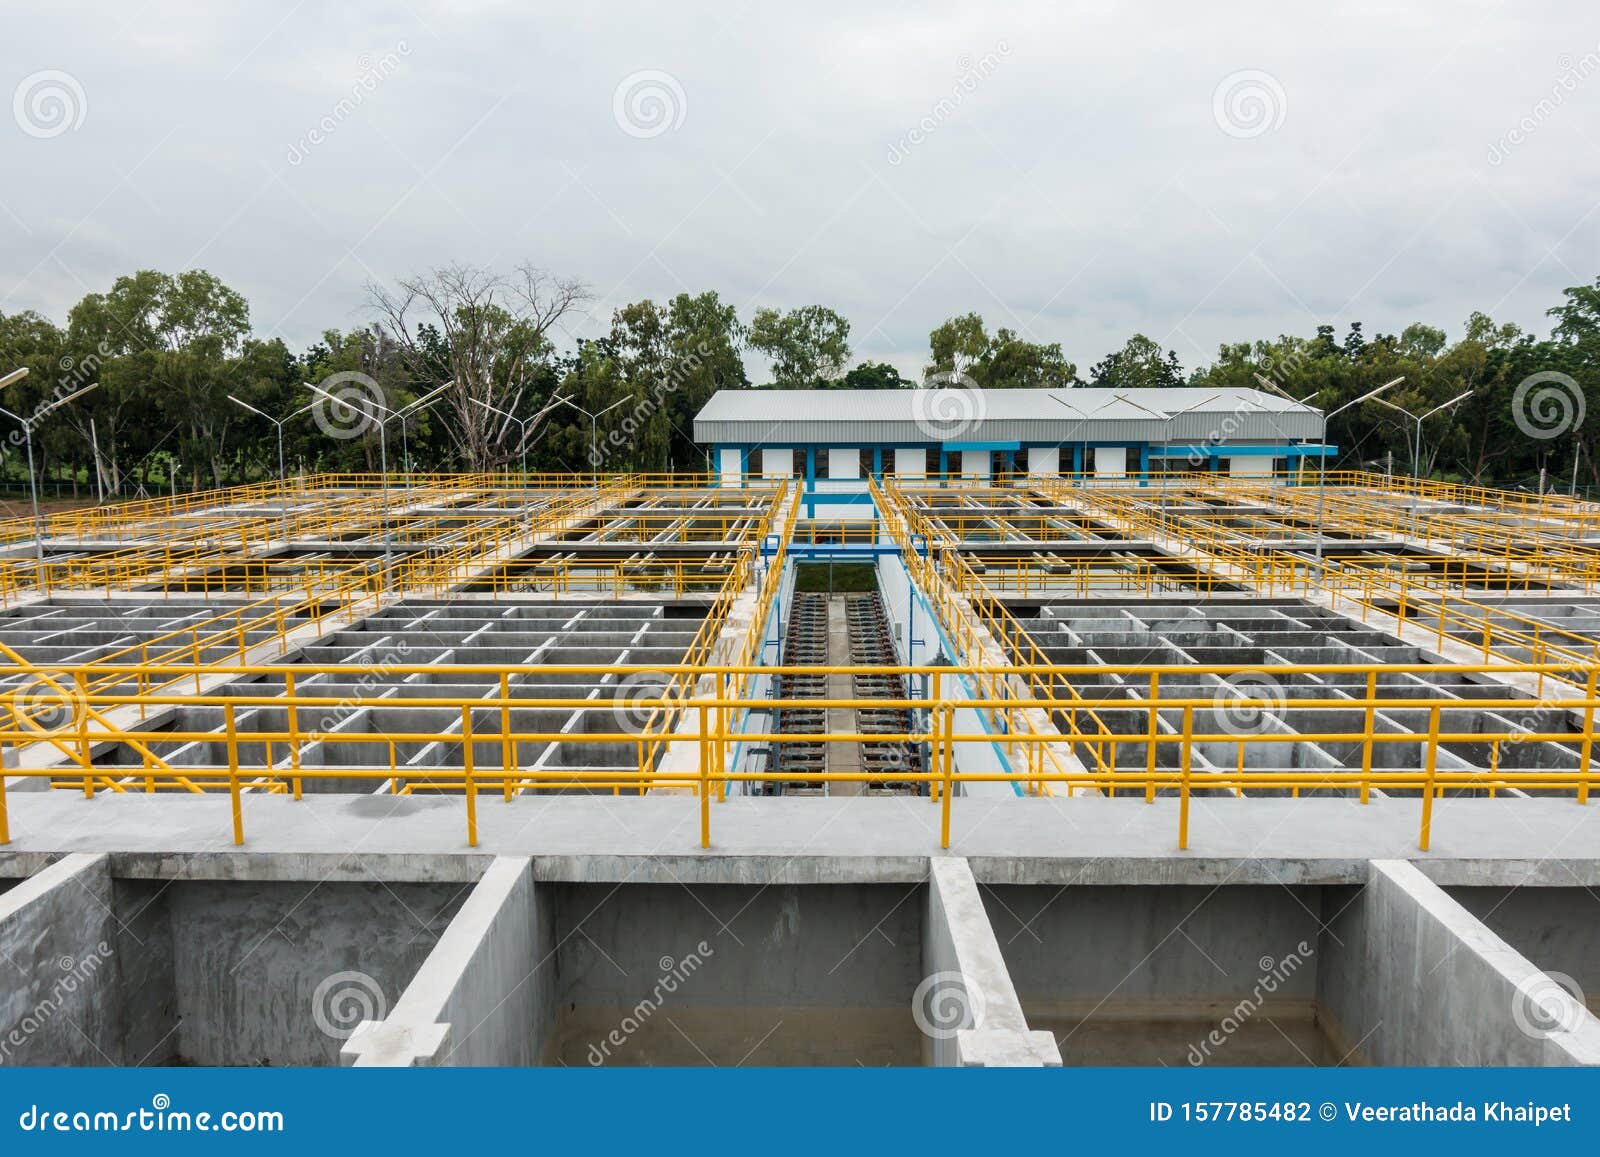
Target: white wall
777 463
980 757
842 512
1250 465
976 462
911 462
844 464
1044 460
760 686
732 466
1111 461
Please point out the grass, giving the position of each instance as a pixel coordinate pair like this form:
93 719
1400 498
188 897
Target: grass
842 577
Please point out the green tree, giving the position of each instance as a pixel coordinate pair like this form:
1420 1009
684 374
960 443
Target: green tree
957 345
181 331
1137 365
662 363
874 376
807 346
33 342
1005 361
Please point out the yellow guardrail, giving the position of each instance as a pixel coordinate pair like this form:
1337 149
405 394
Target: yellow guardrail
481 748
1057 739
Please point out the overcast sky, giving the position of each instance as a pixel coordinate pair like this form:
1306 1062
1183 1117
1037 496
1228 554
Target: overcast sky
1074 171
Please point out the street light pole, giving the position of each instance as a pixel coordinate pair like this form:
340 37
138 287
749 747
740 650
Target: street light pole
522 424
1166 418
283 497
1418 419
1322 454
594 434
27 425
1082 420
366 406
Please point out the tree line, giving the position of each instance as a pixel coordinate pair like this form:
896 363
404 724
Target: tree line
184 387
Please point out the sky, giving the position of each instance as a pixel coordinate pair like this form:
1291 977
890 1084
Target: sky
1075 172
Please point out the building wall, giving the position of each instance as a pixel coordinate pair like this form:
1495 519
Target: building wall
1111 461
844 463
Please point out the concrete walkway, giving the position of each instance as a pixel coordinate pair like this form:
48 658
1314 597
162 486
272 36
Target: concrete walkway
1085 840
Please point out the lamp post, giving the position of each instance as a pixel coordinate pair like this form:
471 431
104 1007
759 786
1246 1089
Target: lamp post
1416 445
1166 418
522 424
1082 419
594 440
27 425
283 497
366 407
1322 455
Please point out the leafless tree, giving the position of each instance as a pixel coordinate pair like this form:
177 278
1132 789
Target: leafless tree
496 331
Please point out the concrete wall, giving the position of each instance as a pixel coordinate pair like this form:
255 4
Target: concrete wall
1556 928
966 1005
486 993
59 996
906 613
234 973
1421 981
735 974
1135 951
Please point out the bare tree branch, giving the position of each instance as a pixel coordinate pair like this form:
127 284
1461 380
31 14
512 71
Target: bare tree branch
495 332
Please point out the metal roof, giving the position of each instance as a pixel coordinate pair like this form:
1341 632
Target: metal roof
1183 414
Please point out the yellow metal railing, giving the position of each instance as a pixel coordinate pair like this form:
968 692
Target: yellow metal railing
482 749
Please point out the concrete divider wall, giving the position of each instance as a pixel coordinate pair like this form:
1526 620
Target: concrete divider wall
1556 928
486 993
968 1007
233 972
1421 981
60 1000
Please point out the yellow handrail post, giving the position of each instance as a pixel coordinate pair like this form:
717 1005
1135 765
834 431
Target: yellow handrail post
1366 735
1585 763
705 778
722 731
1183 780
1150 741
233 772
1427 779
466 774
294 734
506 754
948 786
80 709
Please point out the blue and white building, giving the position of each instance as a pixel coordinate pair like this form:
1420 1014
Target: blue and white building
834 439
